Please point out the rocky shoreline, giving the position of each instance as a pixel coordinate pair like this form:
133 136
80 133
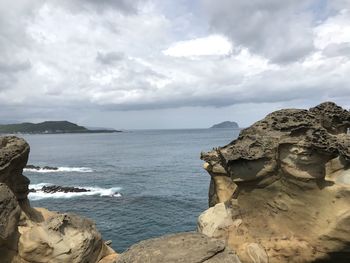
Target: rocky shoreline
278 193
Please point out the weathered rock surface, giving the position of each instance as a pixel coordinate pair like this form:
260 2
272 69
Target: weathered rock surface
64 189
9 213
29 235
187 247
13 158
287 182
60 238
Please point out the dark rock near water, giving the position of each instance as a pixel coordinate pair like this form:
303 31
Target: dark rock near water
65 189
34 167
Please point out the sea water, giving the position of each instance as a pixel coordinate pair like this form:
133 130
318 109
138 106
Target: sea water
142 184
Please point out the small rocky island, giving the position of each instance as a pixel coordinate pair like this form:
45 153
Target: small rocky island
225 125
278 193
49 127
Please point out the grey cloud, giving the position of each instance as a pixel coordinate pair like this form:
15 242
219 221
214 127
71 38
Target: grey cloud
109 57
335 50
279 30
99 6
7 68
9 71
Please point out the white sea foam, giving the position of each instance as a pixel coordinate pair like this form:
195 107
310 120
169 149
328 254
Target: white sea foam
98 191
60 170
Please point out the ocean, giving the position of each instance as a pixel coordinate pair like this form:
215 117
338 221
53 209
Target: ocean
143 183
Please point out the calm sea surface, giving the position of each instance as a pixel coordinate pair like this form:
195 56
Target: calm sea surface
158 174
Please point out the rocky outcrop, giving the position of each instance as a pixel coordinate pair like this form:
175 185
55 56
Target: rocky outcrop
64 189
34 167
9 218
32 235
283 188
187 247
14 154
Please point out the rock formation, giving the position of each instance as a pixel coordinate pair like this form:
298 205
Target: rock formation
182 247
29 235
280 192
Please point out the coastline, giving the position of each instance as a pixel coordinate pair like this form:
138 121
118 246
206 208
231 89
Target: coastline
224 233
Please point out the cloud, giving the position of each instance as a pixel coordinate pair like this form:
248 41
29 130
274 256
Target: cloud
100 6
6 68
59 57
278 30
213 45
109 57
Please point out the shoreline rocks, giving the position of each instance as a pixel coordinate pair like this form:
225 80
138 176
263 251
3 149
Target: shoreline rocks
65 189
285 188
34 235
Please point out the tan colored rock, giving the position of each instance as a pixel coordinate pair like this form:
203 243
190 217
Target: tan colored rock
256 253
292 171
109 259
187 247
62 238
214 221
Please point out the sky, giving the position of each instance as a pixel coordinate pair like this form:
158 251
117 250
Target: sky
146 64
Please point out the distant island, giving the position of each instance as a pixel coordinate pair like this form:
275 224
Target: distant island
49 127
226 125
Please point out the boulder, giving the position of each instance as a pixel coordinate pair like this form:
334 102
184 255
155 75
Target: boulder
214 221
187 247
61 238
292 172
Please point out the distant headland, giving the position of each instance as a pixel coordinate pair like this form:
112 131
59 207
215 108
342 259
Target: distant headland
225 125
49 127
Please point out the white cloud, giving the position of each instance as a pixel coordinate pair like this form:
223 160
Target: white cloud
213 45
335 30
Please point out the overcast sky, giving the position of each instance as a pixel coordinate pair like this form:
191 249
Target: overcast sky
170 63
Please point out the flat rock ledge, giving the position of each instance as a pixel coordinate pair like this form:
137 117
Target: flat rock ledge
188 247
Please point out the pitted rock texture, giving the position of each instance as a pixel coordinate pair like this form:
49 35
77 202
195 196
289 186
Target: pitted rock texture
187 247
14 154
29 235
9 213
291 180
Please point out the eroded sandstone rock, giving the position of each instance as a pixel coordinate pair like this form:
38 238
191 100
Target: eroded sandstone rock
9 213
293 185
61 238
187 247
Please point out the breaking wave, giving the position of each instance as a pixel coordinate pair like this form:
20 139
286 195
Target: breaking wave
93 191
60 170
